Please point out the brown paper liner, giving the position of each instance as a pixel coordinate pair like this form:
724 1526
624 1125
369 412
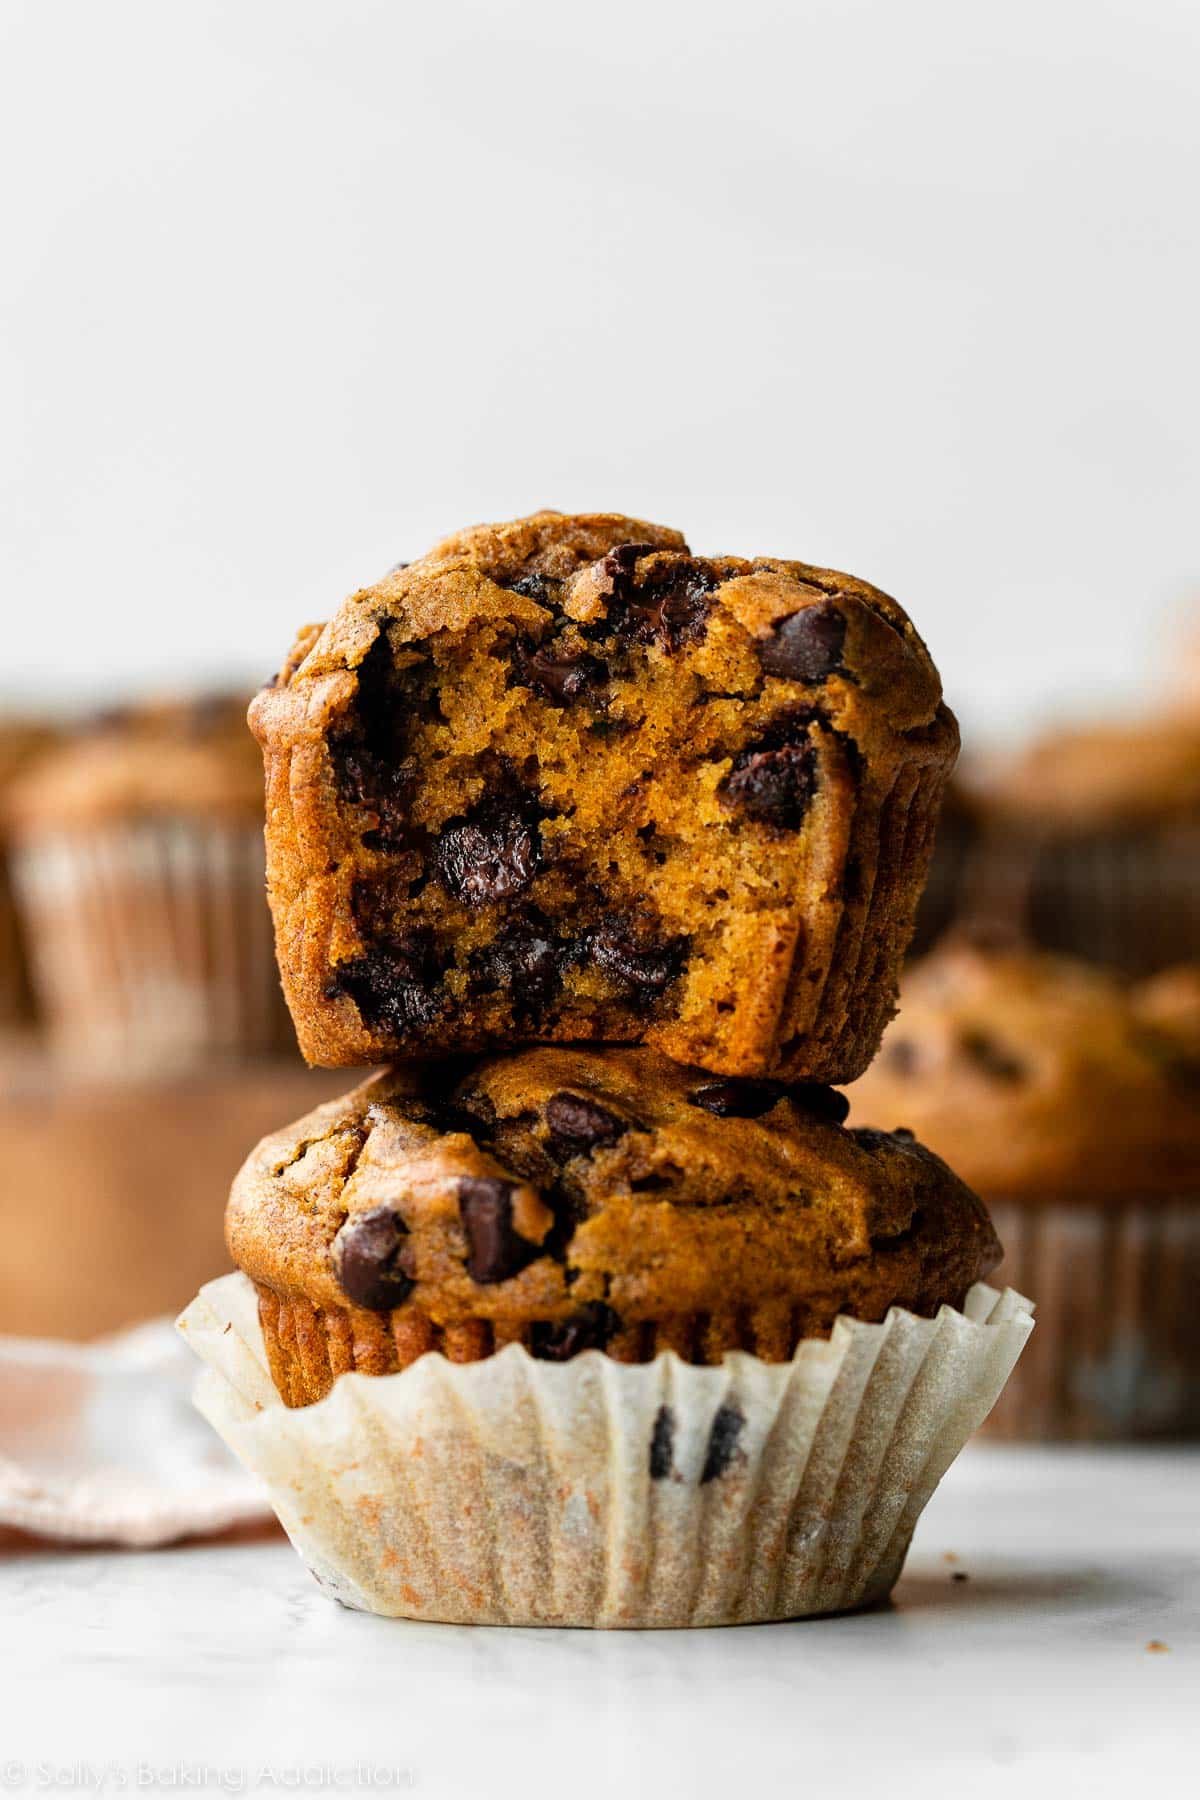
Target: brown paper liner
596 1493
1117 1350
152 944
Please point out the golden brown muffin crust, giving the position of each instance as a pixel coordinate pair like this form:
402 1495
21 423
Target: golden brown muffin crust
1036 1075
562 780
570 1199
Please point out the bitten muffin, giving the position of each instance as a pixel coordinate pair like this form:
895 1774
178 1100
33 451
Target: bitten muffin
1090 841
571 1200
139 869
22 741
563 780
1071 1100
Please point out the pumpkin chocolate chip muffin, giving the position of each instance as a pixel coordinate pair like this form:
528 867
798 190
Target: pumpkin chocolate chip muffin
138 867
1069 1098
571 1200
1090 839
562 780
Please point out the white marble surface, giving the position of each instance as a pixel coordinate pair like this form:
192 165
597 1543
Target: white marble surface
222 1668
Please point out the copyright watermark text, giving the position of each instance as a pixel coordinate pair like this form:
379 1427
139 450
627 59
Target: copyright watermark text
48 1775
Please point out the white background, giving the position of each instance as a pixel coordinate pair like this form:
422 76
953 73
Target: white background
291 287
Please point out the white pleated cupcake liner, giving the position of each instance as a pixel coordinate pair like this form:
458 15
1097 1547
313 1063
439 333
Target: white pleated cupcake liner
151 943
594 1493
1117 1354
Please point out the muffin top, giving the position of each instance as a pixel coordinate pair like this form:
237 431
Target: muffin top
1039 1075
761 615
546 1183
1122 774
163 757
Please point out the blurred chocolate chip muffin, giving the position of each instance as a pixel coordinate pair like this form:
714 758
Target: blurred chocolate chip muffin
569 1200
1071 1100
139 866
1090 840
563 780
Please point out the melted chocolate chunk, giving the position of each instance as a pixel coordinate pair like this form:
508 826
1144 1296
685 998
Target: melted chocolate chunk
367 749
370 1260
669 605
772 787
492 854
496 1251
526 961
578 1123
589 1329
992 1057
807 645
562 676
723 1447
821 1101
738 1099
396 985
662 1445
626 950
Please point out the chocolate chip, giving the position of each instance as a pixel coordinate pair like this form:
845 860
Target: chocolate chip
395 985
670 605
991 1056
492 854
369 1257
542 588
526 962
588 1329
636 957
563 677
578 1123
496 1251
723 1449
822 1102
622 560
396 567
772 787
738 1099
874 1141
368 747
901 1055
807 645
662 1445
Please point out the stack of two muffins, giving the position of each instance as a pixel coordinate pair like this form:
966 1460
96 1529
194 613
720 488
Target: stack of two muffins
612 852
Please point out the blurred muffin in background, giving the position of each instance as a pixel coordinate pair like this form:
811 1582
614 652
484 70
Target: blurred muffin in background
138 866
946 888
21 742
1091 842
1070 1100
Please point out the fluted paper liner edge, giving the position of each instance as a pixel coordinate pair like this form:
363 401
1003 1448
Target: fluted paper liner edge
596 1493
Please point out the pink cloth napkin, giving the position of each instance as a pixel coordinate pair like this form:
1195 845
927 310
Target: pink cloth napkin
100 1443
